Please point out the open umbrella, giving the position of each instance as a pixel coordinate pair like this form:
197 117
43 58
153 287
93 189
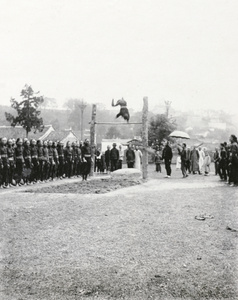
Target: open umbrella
179 135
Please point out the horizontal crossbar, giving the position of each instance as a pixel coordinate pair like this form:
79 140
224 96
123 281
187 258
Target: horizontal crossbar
115 123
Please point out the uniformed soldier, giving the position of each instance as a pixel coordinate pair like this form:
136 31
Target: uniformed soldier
78 160
46 160
27 160
55 159
4 163
60 150
19 161
68 156
51 161
12 161
35 162
41 161
73 159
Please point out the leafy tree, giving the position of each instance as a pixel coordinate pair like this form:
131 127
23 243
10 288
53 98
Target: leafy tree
27 114
159 128
113 132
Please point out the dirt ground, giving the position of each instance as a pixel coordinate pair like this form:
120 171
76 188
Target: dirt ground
98 185
139 242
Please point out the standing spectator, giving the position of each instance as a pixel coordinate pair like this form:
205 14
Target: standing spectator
194 157
77 160
97 164
182 153
138 157
233 161
121 156
103 164
130 157
223 163
216 158
188 162
167 156
178 162
107 158
201 160
158 159
114 156
207 162
227 161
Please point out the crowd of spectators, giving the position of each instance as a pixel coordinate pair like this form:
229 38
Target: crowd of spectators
197 160
113 158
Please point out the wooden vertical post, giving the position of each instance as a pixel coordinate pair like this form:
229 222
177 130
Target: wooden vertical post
92 138
145 138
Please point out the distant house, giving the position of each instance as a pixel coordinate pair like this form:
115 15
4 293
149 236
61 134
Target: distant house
62 136
109 142
20 132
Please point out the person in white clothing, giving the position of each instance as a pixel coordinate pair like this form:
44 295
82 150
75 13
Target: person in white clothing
121 156
178 162
207 162
138 158
201 159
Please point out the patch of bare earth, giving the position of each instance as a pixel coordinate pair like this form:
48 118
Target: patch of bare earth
140 242
98 186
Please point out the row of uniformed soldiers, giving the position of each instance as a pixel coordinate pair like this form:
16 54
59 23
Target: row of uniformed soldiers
26 162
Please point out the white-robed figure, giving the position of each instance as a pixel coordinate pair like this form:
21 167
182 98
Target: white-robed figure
138 158
201 159
178 163
207 162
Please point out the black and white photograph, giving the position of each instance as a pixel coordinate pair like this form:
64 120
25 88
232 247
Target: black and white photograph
118 150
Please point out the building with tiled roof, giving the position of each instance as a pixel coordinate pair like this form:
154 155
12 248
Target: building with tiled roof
20 132
47 133
62 136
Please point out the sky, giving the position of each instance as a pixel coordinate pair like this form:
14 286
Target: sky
172 50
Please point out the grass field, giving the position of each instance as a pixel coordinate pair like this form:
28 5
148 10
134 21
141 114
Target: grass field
141 242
